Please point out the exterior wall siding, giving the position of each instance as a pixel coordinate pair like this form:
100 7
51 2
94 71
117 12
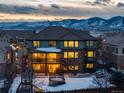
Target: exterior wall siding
2 70
80 62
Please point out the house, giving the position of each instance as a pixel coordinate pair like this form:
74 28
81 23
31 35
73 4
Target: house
113 49
3 54
13 43
58 49
17 40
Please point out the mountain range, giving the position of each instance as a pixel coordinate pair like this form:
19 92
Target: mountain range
94 24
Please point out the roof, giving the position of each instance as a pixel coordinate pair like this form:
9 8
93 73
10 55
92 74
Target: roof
114 38
14 34
61 33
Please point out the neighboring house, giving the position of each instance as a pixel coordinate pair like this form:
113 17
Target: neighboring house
17 36
57 48
113 49
3 52
17 40
14 44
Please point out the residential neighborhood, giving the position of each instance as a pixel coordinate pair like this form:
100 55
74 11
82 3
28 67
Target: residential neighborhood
57 54
61 46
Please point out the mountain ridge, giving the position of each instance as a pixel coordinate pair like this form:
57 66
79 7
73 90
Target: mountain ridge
115 23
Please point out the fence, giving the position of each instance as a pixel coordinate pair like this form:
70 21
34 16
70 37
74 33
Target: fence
98 90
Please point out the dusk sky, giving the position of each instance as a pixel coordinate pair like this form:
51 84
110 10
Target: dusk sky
60 9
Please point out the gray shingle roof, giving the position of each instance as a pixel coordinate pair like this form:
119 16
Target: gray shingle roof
115 38
14 34
61 33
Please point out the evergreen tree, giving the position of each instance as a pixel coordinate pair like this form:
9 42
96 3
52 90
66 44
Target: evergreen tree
117 79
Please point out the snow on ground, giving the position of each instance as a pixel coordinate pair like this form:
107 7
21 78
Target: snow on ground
72 83
49 49
15 85
2 83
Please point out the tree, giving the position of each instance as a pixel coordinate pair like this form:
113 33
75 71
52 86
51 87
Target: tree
117 79
101 82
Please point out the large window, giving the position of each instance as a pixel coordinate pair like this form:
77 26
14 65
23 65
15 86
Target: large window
71 55
52 57
36 66
38 56
71 44
52 43
36 43
89 65
89 43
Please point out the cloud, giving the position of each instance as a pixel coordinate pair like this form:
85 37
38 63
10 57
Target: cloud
40 5
55 6
120 4
106 1
16 9
98 2
95 3
62 10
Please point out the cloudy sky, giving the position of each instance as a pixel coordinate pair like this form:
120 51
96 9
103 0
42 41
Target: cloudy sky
60 9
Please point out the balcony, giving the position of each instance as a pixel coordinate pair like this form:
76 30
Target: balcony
45 61
45 57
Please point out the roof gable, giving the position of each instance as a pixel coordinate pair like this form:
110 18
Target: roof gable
61 33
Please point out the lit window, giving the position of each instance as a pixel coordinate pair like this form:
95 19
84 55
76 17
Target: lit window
76 54
71 43
65 43
70 54
90 54
38 55
52 57
36 66
89 43
65 55
52 43
36 43
76 43
89 65
53 67
8 56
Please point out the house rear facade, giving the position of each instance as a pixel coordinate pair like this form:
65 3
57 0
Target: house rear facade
58 49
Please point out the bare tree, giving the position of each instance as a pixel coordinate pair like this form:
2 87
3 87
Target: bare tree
101 82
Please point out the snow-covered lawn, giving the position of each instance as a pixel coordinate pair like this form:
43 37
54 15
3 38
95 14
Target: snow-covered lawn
72 83
2 83
15 85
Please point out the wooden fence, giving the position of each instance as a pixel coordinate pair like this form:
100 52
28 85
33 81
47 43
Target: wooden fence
100 90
